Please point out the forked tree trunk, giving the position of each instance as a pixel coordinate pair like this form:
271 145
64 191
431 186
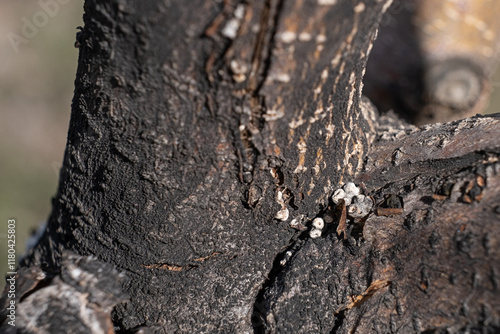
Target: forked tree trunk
206 136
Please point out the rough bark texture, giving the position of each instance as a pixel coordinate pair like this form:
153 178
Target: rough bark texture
78 298
205 137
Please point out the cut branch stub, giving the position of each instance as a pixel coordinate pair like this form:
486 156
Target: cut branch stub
433 60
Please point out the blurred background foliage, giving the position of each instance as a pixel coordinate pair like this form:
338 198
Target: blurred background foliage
36 88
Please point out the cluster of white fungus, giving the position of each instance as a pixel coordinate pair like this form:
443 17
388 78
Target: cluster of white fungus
357 205
360 206
318 224
287 257
283 213
347 193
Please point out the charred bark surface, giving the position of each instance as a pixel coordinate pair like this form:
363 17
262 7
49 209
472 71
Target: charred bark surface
204 138
78 298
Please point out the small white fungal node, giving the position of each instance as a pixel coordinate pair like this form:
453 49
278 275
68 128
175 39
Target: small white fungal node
238 67
359 7
351 190
239 12
327 2
298 223
282 214
338 195
281 77
288 36
231 29
287 257
232 26
320 38
318 223
305 37
360 207
239 71
315 233
273 114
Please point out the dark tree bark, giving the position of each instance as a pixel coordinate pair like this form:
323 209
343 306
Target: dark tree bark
204 139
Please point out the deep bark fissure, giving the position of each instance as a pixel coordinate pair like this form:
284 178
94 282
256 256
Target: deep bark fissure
262 304
261 59
339 321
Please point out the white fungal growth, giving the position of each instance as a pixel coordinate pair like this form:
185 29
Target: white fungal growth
239 12
281 77
273 114
239 70
305 37
359 7
357 205
351 190
287 257
231 28
347 193
75 273
298 223
318 223
338 195
288 36
282 214
238 67
315 233
320 38
360 207
327 2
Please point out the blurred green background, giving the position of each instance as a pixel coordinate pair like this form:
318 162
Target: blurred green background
36 88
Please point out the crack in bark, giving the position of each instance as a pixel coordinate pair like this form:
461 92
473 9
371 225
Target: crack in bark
339 321
271 288
251 138
214 60
263 44
261 59
266 296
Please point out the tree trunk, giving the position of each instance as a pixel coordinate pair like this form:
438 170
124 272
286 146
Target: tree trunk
204 139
